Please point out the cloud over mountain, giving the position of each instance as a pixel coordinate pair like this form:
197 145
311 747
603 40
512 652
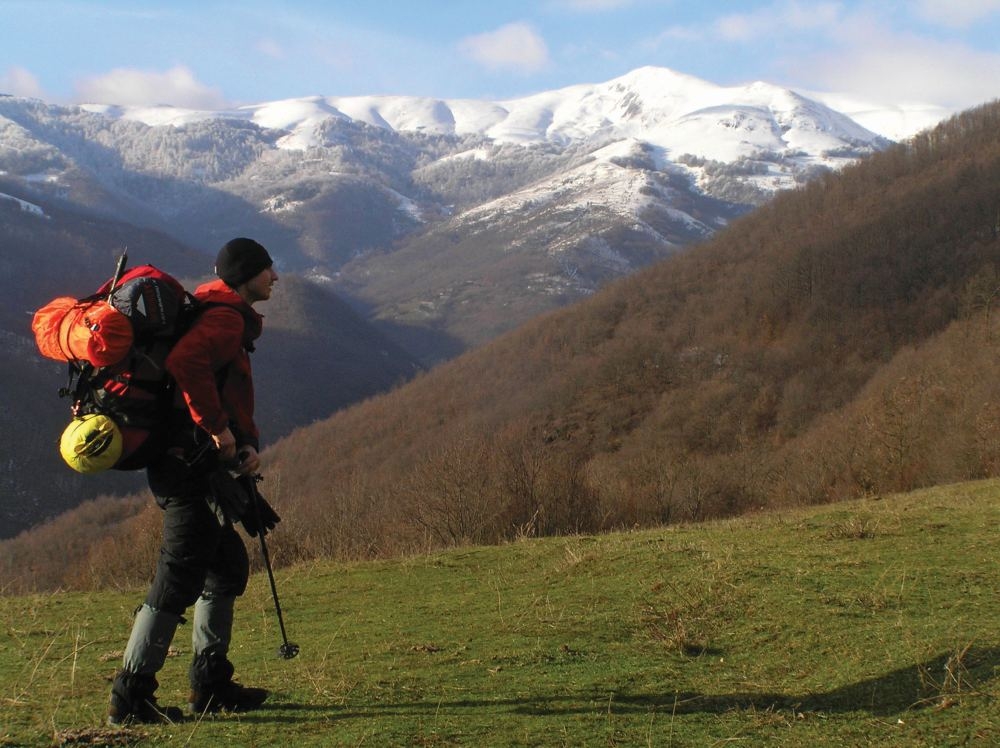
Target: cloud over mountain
516 47
132 87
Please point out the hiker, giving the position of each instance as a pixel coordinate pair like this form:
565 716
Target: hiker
203 561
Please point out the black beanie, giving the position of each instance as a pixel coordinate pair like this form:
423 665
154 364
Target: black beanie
240 260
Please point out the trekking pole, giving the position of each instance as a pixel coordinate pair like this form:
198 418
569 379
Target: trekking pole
287 650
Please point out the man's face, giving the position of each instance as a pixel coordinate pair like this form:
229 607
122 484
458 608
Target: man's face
258 288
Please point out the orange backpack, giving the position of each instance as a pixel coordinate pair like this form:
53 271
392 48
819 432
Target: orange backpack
68 329
116 342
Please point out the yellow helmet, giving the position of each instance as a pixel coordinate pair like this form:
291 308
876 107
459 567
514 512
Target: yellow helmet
91 443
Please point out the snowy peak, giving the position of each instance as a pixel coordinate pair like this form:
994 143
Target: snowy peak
685 115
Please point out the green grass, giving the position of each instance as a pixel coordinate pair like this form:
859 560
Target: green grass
868 623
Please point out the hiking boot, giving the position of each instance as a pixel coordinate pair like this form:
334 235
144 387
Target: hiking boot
148 712
228 696
214 690
132 702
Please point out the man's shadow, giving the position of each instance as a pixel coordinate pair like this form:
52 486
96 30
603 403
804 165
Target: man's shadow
921 685
917 686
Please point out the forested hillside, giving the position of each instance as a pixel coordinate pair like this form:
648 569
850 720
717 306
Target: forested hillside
839 341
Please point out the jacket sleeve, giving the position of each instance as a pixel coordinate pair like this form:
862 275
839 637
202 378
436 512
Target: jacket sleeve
214 340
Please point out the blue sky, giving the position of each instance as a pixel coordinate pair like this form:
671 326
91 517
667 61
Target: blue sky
220 53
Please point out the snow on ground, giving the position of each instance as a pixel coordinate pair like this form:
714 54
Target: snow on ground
896 121
474 117
408 206
159 116
474 154
41 178
406 113
280 204
598 182
24 205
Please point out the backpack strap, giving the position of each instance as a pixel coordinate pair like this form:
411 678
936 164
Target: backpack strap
248 321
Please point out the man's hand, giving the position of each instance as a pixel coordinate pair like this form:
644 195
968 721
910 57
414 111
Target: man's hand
249 461
259 518
225 442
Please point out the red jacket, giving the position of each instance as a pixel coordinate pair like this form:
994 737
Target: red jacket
211 364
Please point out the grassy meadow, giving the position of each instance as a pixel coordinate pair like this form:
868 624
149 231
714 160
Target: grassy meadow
863 623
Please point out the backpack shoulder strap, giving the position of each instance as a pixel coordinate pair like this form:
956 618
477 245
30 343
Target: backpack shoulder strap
248 321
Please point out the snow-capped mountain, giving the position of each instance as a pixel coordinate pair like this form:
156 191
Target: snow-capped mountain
460 216
677 113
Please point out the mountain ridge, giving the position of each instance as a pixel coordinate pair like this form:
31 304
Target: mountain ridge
645 104
575 112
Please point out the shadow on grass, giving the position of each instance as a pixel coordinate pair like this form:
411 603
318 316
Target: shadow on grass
914 687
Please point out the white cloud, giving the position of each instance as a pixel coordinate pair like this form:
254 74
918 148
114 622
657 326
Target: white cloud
670 37
904 69
270 48
956 13
516 46
18 81
778 18
129 86
837 47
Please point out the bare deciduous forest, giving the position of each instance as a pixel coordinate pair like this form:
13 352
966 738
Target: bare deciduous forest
839 341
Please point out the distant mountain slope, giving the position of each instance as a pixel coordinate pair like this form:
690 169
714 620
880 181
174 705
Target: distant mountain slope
497 264
319 356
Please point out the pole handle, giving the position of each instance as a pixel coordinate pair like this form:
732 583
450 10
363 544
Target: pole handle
119 270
